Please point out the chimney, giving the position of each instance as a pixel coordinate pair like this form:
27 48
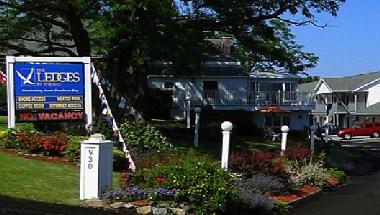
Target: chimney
225 45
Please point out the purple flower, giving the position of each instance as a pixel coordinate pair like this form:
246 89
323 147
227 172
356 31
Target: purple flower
163 192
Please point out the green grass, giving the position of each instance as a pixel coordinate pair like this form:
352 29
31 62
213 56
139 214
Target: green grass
3 123
39 180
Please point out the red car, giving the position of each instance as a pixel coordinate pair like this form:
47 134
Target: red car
369 129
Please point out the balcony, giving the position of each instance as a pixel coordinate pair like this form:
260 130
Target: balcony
252 99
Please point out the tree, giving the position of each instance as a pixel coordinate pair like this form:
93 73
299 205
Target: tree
132 34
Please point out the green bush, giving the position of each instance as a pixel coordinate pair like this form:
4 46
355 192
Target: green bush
307 173
338 174
11 140
143 136
196 180
72 151
102 126
120 162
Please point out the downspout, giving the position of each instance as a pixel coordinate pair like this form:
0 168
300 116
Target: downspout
356 102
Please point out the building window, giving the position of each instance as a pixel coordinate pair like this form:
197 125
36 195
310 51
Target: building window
168 85
286 120
210 91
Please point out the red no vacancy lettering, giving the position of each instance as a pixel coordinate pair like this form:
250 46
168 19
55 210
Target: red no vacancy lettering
51 116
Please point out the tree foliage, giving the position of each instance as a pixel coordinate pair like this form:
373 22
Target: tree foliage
132 34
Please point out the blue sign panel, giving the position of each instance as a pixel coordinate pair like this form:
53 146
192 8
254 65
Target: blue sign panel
49 86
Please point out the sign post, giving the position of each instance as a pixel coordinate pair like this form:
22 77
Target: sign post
49 89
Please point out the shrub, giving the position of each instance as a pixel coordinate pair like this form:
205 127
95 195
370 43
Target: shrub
261 183
120 162
33 141
143 136
72 150
299 153
266 162
338 174
309 173
196 180
102 126
256 200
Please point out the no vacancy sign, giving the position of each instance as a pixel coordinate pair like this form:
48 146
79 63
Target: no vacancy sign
49 89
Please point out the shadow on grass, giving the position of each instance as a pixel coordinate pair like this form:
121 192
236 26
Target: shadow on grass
16 206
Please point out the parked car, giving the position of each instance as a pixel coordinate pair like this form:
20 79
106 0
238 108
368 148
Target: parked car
333 130
369 129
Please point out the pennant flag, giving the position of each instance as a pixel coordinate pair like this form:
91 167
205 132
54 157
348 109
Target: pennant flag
3 78
109 117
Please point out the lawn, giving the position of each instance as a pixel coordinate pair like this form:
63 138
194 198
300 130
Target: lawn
39 180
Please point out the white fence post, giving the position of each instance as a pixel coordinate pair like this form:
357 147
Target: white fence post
312 139
187 98
284 138
326 133
226 131
196 130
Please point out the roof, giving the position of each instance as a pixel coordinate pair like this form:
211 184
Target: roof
373 109
351 83
307 87
263 75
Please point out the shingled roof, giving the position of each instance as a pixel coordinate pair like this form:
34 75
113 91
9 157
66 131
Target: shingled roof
308 87
351 83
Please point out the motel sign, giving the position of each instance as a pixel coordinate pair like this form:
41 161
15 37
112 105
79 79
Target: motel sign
49 89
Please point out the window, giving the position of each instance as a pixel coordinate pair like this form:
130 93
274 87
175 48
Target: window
210 91
268 121
286 120
168 85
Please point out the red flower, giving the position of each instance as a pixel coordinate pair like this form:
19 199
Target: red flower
160 180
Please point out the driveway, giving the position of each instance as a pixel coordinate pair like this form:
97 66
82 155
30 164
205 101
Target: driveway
361 194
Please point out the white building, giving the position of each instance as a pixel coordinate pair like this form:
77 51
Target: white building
225 87
346 101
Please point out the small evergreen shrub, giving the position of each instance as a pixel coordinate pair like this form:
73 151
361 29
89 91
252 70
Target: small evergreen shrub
143 136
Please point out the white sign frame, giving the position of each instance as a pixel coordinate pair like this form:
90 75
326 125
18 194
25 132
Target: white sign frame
11 60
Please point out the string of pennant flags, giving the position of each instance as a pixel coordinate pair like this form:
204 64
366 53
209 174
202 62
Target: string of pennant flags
106 110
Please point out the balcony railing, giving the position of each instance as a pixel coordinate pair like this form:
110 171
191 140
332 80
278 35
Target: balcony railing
263 98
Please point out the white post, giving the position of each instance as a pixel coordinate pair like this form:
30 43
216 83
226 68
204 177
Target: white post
312 133
226 131
187 98
326 133
196 130
95 167
284 138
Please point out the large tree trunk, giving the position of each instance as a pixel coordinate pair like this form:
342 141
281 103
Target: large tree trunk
78 32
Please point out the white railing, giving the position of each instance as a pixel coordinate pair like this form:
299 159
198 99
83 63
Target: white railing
266 98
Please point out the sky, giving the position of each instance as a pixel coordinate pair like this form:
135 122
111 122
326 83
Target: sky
350 44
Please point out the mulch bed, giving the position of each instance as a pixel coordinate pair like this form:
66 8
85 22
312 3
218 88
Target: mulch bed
300 193
50 159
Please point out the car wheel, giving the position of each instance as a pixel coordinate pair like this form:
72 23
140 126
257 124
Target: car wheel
347 136
376 134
